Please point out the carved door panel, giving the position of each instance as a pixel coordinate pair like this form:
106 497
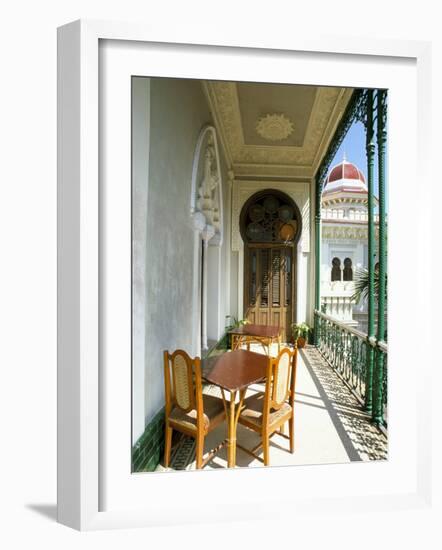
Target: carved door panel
269 287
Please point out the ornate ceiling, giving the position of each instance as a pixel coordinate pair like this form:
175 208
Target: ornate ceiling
275 130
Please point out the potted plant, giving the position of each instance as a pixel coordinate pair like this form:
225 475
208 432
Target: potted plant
300 333
234 323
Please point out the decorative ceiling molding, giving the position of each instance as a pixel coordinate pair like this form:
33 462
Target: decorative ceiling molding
224 101
274 127
216 119
274 159
272 170
333 121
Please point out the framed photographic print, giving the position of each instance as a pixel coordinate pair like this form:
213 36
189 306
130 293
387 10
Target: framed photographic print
229 217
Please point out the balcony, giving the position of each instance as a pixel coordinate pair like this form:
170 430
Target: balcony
331 425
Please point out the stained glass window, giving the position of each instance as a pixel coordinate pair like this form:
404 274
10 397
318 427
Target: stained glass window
270 220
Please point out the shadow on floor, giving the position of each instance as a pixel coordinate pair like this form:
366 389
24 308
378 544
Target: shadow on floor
360 438
352 453
328 411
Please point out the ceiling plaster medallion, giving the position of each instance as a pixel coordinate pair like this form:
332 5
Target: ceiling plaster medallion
274 127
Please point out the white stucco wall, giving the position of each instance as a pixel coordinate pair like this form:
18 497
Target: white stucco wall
336 295
234 290
140 171
340 248
178 111
226 251
168 117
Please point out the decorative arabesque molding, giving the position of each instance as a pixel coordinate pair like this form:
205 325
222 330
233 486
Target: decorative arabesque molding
346 233
206 191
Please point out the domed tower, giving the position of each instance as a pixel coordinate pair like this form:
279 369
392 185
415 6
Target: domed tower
344 238
345 189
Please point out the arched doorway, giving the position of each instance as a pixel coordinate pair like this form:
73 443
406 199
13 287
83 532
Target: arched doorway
270 225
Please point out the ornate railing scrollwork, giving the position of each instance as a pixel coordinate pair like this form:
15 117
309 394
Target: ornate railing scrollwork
345 350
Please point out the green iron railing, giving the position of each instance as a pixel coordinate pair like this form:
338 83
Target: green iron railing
382 351
345 350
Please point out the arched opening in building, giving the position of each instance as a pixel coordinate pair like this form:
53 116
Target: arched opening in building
348 270
336 273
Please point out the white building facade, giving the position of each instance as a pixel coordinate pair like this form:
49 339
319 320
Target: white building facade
344 241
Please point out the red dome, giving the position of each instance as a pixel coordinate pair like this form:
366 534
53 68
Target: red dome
345 170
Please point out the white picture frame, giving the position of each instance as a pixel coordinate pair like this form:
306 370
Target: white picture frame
80 439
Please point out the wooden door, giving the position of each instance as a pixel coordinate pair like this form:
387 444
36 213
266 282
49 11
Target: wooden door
269 286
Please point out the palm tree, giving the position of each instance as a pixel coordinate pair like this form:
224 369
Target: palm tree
361 280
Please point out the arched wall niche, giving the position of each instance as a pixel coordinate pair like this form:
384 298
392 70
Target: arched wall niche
206 211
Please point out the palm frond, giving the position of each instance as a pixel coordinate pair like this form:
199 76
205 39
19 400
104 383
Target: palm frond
361 281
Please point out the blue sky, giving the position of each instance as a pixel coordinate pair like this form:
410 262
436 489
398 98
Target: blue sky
353 146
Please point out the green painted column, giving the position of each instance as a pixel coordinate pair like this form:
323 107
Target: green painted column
370 149
379 369
317 258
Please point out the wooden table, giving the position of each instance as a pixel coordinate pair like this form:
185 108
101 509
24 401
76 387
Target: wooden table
234 372
263 334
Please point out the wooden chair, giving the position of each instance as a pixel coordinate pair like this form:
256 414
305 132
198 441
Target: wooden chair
266 412
187 409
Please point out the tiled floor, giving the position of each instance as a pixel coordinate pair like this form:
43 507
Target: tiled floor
330 426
